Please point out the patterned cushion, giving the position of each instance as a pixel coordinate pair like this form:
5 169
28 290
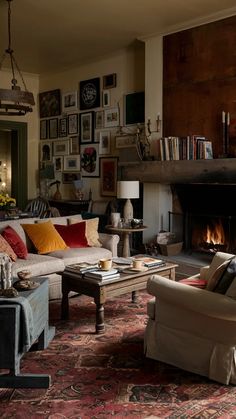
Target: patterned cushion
44 237
6 248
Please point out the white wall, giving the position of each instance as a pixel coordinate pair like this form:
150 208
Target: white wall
32 84
157 198
129 66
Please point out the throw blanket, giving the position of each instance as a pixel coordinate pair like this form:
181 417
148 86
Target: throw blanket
27 332
5 271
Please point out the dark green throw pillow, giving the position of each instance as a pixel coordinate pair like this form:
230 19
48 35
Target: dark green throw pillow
227 278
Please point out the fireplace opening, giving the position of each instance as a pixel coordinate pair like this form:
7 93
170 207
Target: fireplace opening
205 217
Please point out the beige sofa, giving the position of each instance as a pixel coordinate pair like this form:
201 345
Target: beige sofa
191 328
54 263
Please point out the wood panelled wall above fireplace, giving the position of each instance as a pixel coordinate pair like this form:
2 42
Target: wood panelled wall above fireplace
199 82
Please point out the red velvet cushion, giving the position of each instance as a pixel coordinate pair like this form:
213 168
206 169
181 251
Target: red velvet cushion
73 235
198 283
16 243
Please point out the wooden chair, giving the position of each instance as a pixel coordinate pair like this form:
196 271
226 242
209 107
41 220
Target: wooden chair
40 207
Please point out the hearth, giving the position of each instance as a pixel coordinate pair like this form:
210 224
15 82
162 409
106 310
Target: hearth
204 217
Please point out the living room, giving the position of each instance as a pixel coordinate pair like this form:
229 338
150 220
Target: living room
138 67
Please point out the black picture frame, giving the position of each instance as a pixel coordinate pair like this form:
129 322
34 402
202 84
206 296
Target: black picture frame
53 128
50 103
86 127
134 105
89 93
109 81
43 129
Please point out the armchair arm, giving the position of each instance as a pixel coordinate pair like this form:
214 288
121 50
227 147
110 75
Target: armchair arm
110 242
197 300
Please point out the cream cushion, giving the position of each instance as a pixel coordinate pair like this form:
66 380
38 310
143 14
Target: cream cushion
216 275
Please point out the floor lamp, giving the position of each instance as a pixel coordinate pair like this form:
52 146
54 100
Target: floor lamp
128 190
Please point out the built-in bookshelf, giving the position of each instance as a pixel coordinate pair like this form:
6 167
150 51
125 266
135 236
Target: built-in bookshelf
193 147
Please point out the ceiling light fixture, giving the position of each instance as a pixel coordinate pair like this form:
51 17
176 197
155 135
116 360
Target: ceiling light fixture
14 101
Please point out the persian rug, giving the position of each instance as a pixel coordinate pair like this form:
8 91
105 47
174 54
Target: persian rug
105 376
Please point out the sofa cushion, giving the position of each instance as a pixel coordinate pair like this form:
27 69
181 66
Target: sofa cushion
216 275
54 220
83 254
16 243
231 291
91 230
73 235
16 225
6 248
44 237
38 265
226 278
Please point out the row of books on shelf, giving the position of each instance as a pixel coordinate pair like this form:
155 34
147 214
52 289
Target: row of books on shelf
192 147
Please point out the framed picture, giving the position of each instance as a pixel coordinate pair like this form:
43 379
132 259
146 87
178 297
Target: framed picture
72 163
104 142
108 180
89 160
124 141
50 103
134 106
74 144
106 98
90 93
70 101
45 151
86 127
62 127
53 128
58 163
43 129
109 81
69 177
73 123
111 117
61 148
99 119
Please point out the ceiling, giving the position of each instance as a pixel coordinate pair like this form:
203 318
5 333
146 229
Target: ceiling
52 35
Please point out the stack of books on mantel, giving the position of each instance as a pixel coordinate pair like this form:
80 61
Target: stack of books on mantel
101 276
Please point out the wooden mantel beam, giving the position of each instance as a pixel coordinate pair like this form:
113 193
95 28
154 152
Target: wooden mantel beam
182 171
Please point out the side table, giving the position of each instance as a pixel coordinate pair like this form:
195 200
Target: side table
15 314
125 232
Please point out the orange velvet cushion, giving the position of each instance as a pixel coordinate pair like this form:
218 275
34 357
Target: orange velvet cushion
16 243
73 235
45 237
6 248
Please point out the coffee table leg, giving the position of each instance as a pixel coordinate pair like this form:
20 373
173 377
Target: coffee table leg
100 327
134 297
65 305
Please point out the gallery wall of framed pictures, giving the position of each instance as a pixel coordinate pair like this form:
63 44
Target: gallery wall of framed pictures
79 129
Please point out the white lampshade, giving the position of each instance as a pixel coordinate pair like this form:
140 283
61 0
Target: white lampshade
127 189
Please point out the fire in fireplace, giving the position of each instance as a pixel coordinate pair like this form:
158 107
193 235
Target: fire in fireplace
206 215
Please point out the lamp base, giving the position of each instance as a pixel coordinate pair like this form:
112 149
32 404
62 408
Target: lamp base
128 211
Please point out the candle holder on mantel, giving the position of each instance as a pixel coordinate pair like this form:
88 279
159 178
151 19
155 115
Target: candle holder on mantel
225 134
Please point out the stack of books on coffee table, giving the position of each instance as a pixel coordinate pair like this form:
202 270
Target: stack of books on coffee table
101 276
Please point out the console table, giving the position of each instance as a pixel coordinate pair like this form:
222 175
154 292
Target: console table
69 207
13 321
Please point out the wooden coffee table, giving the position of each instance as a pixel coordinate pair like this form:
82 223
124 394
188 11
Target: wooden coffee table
101 291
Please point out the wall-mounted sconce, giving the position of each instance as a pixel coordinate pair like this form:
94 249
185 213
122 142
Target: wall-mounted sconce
158 125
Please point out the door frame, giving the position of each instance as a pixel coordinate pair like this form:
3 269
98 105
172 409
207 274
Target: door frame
19 153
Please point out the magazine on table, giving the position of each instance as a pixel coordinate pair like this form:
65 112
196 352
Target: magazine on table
82 267
150 261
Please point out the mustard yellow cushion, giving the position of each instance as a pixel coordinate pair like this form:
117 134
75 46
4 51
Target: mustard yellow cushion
44 237
91 230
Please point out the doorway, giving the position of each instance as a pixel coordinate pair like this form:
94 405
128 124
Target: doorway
16 134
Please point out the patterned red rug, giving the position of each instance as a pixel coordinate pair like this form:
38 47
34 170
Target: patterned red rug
104 376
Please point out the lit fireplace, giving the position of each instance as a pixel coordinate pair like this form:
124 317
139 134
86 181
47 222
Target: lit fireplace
209 237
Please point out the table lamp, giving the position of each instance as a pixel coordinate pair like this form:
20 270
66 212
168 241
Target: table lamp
128 189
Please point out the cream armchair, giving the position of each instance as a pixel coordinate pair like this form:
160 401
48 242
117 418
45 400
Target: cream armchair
191 328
